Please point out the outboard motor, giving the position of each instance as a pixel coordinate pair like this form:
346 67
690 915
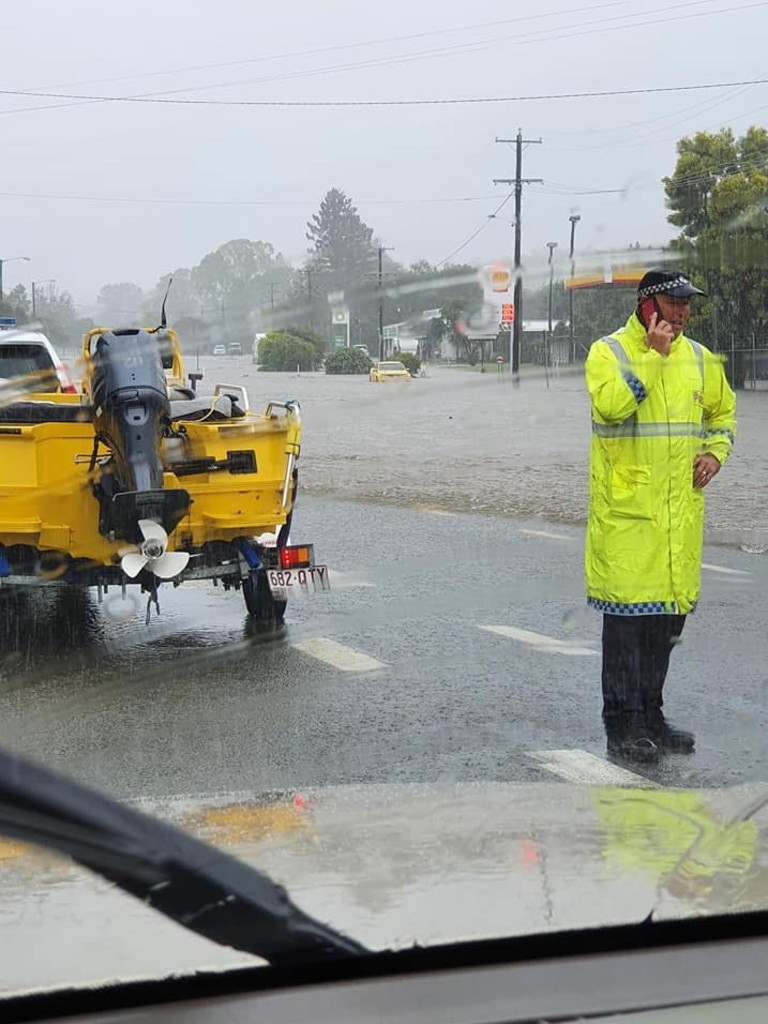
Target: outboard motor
131 412
131 406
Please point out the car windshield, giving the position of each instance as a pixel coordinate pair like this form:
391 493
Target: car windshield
18 359
477 656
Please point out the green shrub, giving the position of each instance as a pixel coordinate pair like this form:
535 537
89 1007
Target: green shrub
347 360
410 361
281 350
307 334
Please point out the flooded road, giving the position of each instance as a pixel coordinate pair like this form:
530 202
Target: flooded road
463 441
451 648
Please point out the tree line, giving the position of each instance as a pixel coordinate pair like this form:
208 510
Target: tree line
717 197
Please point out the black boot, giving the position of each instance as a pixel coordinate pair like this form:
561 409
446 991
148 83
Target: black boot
629 739
669 739
639 749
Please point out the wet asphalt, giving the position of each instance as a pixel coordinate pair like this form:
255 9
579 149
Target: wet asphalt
197 703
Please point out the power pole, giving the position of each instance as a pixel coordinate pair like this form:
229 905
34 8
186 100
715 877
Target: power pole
518 182
382 249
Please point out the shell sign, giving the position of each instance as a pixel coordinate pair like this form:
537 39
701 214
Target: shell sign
498 278
611 276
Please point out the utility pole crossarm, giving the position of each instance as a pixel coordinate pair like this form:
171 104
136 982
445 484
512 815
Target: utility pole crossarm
523 181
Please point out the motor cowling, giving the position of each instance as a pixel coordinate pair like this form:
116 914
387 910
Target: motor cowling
131 408
131 413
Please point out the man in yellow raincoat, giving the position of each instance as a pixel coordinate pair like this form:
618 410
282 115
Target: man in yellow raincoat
662 426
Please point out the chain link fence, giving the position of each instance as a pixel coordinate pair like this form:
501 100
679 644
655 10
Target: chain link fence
746 366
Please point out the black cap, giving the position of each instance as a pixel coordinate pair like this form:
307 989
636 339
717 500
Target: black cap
666 282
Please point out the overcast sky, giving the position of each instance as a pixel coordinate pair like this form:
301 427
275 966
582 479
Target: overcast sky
229 172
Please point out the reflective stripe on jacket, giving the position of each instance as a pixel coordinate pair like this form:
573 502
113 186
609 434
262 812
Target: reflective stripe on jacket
651 416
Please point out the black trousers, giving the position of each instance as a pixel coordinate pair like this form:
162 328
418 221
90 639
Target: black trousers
636 651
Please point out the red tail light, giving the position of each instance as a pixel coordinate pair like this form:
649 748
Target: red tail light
66 381
296 557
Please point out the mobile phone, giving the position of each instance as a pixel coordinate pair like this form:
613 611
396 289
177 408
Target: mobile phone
646 310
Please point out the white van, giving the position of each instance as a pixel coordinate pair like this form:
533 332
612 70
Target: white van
29 354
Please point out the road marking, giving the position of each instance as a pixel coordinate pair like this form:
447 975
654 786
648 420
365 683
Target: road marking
542 643
725 569
545 533
588 769
344 658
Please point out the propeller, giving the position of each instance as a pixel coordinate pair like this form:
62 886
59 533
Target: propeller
151 554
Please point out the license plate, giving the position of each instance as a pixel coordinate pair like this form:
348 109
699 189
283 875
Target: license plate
292 580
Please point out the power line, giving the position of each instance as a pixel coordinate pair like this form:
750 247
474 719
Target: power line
670 117
455 101
548 187
555 189
475 233
539 35
142 201
652 137
735 166
264 58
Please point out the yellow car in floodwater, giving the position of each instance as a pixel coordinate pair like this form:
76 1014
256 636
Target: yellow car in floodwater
388 371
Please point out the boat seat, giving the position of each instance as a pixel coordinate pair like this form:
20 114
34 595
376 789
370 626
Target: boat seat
26 413
223 408
45 412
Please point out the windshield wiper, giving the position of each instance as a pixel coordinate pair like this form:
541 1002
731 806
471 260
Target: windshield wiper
193 883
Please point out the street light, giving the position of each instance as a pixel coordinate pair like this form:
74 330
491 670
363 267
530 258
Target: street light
9 260
381 250
551 246
574 219
35 285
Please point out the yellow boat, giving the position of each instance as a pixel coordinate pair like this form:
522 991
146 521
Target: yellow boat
138 479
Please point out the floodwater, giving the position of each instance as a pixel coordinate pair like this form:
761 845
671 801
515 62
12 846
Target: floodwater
463 441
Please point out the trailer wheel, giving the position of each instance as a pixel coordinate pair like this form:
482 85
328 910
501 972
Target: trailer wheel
261 605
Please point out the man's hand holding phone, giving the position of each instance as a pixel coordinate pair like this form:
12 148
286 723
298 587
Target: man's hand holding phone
660 334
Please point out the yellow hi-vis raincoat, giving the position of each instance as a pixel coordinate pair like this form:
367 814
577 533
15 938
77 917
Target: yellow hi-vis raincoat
651 416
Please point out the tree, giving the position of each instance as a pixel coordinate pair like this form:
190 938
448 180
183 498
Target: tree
717 197
451 319
342 258
423 287
234 283
60 322
16 304
434 339
120 305
282 350
343 249
183 301
596 310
